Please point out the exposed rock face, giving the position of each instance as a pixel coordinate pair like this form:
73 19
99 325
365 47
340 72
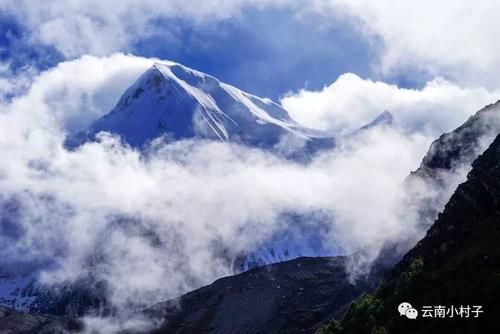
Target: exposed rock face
15 322
456 263
297 296
465 143
449 158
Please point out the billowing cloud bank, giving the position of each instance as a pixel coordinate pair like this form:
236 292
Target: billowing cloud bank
455 39
350 101
157 224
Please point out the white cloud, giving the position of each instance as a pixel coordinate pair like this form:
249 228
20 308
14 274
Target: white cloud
455 38
172 220
79 91
199 199
102 27
351 101
452 39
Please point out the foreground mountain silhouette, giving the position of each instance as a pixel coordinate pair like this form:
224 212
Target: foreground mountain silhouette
444 167
464 243
296 296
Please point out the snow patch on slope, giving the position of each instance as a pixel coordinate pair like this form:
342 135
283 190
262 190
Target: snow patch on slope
17 291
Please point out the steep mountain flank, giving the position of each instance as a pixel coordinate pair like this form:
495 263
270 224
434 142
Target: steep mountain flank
465 143
456 263
448 159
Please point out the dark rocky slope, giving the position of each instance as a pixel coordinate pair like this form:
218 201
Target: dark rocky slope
442 169
296 296
465 143
456 263
450 154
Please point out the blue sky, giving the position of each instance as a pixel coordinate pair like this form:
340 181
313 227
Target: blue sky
266 52
19 51
268 47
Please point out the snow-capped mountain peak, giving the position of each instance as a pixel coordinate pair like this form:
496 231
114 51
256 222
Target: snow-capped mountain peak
171 99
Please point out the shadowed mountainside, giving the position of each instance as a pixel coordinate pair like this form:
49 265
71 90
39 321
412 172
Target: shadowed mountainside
456 263
296 296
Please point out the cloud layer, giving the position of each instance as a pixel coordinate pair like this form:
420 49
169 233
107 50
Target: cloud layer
341 107
456 39
155 225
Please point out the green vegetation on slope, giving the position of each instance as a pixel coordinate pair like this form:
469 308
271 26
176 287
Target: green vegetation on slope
457 263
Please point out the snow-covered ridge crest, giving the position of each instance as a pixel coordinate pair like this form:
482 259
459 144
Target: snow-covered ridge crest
238 95
214 115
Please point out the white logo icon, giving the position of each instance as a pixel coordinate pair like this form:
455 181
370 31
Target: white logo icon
407 310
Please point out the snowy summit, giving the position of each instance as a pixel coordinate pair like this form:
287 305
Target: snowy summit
173 100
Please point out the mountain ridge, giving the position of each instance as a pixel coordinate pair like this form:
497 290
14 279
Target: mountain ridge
172 100
456 263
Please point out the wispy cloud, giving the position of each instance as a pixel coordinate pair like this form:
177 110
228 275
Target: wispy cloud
102 27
